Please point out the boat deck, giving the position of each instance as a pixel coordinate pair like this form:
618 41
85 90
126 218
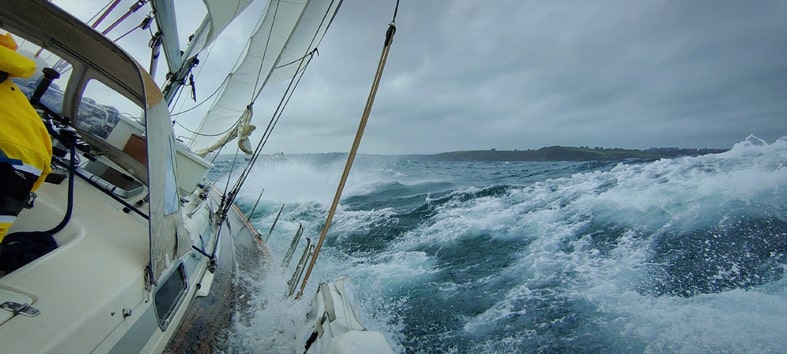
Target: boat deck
84 287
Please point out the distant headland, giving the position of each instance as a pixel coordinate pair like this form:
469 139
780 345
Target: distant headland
568 153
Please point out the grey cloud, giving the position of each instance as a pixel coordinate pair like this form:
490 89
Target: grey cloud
518 74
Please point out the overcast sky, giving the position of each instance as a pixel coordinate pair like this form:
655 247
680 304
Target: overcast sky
516 74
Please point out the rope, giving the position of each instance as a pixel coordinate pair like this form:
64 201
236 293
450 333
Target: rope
296 60
358 135
233 126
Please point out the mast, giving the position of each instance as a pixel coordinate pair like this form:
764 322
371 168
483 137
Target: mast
220 14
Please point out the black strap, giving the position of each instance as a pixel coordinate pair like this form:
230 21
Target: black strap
21 248
15 186
3 76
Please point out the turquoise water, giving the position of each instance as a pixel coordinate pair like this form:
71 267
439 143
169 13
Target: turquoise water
682 255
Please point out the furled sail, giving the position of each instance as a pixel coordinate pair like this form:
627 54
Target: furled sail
278 48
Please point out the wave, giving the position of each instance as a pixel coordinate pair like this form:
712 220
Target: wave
678 255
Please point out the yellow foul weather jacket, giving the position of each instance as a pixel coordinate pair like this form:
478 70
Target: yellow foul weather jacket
23 135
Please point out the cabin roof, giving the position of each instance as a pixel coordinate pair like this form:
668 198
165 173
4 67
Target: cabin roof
57 31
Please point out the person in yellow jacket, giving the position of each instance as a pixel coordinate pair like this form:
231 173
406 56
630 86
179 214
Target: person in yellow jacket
25 145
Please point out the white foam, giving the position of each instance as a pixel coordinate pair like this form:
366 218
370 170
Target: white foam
677 194
273 319
733 321
272 323
644 200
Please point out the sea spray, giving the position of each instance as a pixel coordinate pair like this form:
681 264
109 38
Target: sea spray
673 255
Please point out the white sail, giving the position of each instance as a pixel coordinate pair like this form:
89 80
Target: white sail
220 14
287 32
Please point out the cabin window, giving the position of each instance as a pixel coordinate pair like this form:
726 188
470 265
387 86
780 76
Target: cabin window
169 295
53 97
103 110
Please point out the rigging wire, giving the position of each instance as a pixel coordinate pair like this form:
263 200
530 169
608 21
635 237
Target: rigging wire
277 113
268 131
213 159
358 135
203 101
257 152
396 11
143 25
104 12
225 195
199 72
134 8
253 209
177 95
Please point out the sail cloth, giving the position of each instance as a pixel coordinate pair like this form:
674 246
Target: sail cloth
220 14
242 131
284 36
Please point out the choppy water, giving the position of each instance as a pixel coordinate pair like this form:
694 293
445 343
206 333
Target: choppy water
684 255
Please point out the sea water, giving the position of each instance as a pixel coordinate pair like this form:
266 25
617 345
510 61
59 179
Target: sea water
675 255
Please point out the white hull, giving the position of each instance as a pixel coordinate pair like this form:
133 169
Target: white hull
90 291
124 272
333 325
130 263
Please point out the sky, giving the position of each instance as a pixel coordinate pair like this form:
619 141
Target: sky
521 74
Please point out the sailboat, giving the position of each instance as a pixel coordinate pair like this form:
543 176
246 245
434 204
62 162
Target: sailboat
145 245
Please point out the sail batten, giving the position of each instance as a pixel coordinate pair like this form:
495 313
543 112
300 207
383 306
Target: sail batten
276 51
